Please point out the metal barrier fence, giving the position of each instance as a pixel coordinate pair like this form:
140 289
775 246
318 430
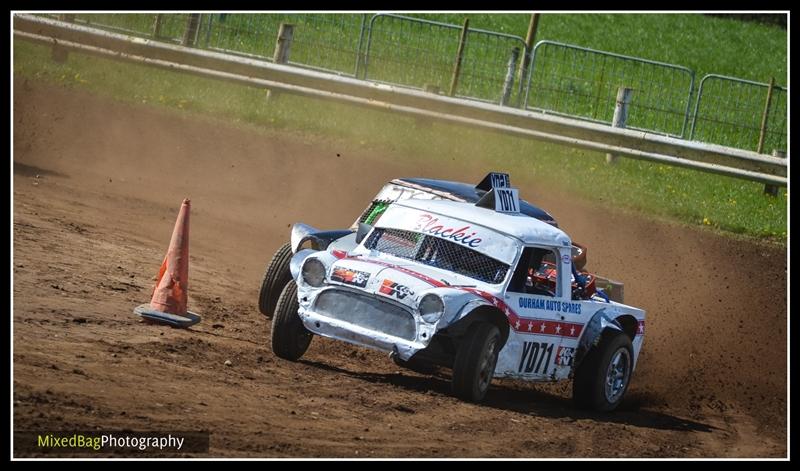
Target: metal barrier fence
422 53
729 111
563 79
581 82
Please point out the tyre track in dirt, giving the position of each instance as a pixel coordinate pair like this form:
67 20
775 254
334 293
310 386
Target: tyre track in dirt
97 185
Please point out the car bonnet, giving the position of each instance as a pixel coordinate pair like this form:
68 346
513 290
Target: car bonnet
403 281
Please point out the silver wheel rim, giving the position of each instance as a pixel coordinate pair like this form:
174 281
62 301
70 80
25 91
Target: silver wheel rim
617 374
488 363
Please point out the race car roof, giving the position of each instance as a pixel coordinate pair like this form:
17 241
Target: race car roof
528 230
471 194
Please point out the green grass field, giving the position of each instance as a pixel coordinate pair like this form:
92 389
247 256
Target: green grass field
722 203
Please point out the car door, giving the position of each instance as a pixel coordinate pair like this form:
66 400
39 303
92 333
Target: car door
537 325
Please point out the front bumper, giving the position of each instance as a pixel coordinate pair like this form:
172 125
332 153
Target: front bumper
382 325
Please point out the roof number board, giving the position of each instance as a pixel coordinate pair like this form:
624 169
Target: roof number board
500 180
506 200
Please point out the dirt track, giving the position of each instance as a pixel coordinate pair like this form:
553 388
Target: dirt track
97 185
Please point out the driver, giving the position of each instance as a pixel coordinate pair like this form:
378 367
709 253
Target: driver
536 266
539 268
580 281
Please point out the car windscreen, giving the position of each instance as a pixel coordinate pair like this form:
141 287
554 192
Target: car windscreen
437 253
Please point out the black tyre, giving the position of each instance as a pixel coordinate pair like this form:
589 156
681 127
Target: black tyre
290 338
275 278
415 366
475 361
603 377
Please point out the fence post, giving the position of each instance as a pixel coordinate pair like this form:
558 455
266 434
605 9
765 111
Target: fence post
772 190
459 56
508 85
620 114
58 53
157 25
763 132
192 26
283 45
533 26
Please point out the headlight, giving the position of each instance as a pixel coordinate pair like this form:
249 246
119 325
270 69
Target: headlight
431 308
313 272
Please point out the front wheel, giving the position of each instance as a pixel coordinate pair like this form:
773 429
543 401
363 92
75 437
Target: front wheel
290 338
604 375
276 276
475 361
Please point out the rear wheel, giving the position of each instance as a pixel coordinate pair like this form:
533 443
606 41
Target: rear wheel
275 278
475 361
604 375
290 338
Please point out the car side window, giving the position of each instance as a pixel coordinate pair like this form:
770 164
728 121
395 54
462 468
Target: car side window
536 272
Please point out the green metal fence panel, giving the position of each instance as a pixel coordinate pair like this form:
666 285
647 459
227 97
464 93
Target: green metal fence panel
581 82
417 53
729 112
328 42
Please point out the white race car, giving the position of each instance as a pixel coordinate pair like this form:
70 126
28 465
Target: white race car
476 287
277 273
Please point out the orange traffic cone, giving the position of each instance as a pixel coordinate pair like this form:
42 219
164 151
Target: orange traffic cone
168 304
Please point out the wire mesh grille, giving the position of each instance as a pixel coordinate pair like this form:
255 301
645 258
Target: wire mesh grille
374 211
438 253
368 312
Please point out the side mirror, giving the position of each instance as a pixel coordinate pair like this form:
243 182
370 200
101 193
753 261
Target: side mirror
363 230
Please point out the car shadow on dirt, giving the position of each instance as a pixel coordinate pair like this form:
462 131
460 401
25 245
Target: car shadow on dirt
530 401
630 412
